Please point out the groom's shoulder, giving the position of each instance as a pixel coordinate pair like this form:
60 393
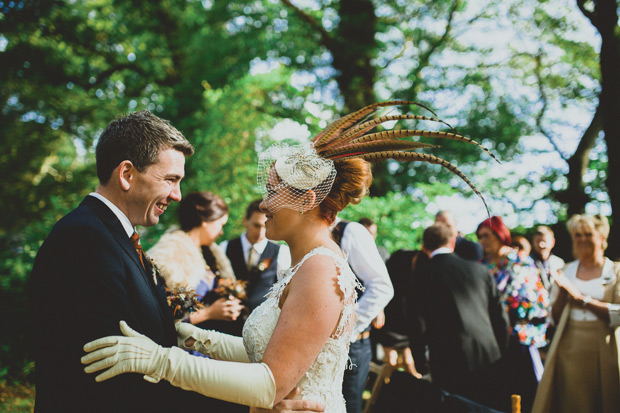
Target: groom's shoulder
80 223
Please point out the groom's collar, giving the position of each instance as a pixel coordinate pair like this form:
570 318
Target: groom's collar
129 229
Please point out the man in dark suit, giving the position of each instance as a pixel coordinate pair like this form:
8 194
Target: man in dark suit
455 309
89 273
464 248
254 258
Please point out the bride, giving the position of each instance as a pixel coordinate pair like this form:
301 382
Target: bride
298 338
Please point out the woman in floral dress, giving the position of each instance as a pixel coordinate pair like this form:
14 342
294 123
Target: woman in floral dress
526 301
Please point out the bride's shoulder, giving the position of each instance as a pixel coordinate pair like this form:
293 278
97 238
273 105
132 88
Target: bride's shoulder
324 266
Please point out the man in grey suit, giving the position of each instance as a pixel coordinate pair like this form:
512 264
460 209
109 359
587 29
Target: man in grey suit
455 309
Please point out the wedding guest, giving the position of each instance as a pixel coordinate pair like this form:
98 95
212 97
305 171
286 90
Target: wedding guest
179 257
455 309
371 226
526 300
543 242
362 255
581 373
522 245
393 336
254 258
464 248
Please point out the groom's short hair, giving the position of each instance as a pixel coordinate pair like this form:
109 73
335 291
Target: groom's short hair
138 137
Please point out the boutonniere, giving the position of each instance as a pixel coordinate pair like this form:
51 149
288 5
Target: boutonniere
183 301
264 264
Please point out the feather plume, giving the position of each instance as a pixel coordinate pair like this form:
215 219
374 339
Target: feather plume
349 137
332 130
423 157
374 146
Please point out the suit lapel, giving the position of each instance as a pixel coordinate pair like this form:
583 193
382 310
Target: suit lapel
115 227
117 230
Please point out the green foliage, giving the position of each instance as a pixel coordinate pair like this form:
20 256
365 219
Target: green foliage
69 67
400 217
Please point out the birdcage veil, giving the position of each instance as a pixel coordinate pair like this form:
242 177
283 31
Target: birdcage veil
287 173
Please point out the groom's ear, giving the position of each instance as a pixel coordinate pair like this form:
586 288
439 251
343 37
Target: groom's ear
126 174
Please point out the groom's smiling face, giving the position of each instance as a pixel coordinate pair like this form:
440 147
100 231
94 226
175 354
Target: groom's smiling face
156 187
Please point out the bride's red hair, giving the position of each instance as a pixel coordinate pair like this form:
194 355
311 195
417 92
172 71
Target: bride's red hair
353 178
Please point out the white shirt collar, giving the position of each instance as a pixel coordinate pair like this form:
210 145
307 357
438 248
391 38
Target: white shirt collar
246 245
129 229
442 250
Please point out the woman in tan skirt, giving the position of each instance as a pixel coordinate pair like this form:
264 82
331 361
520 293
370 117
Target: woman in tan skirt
581 372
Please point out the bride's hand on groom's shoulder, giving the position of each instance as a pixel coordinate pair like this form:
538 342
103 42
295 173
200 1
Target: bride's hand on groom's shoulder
289 405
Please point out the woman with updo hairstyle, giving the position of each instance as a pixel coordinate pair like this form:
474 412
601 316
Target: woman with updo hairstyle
190 258
296 343
581 372
526 301
353 178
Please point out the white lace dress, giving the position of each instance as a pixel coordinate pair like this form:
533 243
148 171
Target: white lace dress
323 381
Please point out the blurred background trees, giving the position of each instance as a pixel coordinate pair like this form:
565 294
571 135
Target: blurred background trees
535 81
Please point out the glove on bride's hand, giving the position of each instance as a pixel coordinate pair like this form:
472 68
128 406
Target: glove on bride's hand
134 353
211 343
244 383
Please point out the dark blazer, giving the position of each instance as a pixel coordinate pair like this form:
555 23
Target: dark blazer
467 249
86 278
399 266
456 310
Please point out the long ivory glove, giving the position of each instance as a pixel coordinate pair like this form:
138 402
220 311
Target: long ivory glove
251 384
211 343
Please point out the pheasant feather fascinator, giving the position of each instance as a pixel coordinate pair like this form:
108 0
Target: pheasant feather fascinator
311 166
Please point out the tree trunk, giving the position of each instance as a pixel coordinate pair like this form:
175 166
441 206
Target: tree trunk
353 51
574 196
605 19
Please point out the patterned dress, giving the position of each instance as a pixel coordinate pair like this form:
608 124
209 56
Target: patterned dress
525 298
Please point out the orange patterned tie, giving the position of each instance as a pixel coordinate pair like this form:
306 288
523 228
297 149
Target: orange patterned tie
135 239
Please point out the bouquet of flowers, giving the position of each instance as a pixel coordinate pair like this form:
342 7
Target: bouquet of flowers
229 288
182 301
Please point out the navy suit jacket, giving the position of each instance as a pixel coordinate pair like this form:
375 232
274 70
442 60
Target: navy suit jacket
455 309
86 278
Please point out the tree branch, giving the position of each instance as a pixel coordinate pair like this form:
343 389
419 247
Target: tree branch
326 39
543 97
590 15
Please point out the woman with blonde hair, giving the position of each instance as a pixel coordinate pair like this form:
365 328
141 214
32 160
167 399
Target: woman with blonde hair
581 372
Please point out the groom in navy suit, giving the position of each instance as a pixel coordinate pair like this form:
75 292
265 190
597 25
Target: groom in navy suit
90 272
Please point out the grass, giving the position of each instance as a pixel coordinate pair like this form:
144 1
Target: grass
16 398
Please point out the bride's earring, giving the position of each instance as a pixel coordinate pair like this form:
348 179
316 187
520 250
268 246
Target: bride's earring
301 211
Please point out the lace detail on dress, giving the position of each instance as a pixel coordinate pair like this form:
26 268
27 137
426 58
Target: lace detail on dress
323 381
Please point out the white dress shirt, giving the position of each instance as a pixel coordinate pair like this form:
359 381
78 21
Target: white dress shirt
361 251
284 256
442 250
129 229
